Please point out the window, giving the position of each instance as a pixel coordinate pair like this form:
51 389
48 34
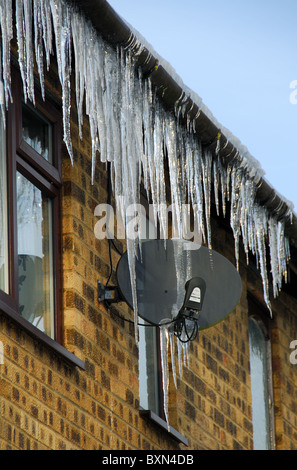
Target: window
30 182
150 377
261 381
37 132
35 255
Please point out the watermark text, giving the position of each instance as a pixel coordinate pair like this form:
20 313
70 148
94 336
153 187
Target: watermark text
293 94
136 222
293 355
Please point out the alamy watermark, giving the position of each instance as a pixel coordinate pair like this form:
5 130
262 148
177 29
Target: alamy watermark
293 94
136 222
293 355
1 353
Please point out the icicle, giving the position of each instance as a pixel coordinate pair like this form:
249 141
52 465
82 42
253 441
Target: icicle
132 130
46 20
79 34
180 358
62 29
275 267
186 352
164 342
131 253
260 220
198 190
175 183
38 35
183 350
172 350
158 132
235 209
21 42
279 255
2 93
25 46
216 186
218 146
206 166
5 70
29 49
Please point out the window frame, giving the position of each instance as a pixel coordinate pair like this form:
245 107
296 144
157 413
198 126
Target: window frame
157 374
158 418
47 177
258 313
159 405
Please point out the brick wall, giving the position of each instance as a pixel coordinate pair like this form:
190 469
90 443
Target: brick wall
45 403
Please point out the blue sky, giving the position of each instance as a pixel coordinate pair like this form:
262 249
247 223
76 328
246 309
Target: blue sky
240 58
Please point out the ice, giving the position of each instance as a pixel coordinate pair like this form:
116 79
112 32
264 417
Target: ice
25 46
172 351
39 51
6 35
63 38
141 140
164 344
206 177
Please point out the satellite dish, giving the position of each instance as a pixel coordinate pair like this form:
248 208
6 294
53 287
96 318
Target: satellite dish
165 270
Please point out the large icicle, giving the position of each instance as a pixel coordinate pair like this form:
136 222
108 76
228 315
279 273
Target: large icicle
164 344
25 46
62 28
131 129
7 36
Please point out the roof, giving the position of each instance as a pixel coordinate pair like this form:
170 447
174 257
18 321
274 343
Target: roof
172 90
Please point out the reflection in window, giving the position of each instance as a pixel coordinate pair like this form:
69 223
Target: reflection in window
37 132
35 256
261 400
4 266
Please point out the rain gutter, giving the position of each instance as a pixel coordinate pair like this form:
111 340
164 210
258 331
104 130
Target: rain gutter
116 31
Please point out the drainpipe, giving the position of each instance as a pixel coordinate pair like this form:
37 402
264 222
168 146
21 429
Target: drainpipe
116 31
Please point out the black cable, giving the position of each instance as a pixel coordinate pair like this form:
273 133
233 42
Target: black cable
110 261
180 327
115 246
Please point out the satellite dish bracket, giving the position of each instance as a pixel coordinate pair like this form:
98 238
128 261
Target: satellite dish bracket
108 294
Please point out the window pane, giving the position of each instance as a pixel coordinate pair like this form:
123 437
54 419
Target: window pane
35 256
4 265
259 386
37 132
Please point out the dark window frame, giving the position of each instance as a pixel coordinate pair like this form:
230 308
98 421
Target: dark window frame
48 178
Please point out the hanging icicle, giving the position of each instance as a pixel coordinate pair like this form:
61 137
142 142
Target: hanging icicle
7 36
164 345
130 129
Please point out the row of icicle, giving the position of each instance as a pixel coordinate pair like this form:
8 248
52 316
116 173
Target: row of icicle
131 129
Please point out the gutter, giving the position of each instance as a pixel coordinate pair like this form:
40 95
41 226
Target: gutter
116 31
